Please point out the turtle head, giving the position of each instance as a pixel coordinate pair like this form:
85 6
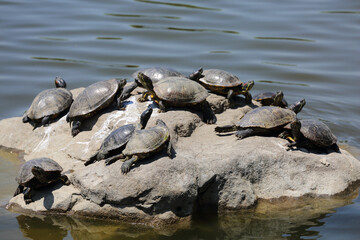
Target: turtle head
39 174
278 98
296 107
197 75
145 116
160 122
60 83
145 81
121 82
247 86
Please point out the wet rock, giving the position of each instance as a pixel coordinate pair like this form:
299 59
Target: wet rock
208 171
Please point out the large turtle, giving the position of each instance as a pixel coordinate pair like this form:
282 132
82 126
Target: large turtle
144 143
116 141
265 120
37 173
225 83
312 134
157 74
178 92
49 104
271 99
92 99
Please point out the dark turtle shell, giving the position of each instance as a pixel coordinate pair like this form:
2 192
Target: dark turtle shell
219 79
180 91
118 138
317 132
25 175
267 98
157 74
267 117
49 102
148 140
93 98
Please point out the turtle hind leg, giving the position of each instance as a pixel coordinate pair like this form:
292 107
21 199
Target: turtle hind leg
64 179
28 195
244 133
45 121
91 160
125 167
19 190
26 119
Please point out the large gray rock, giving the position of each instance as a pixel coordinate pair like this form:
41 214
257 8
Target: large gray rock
209 171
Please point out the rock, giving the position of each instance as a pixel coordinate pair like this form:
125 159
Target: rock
208 172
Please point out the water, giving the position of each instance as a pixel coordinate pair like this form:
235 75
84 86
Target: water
304 48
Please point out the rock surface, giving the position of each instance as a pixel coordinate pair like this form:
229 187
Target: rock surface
209 171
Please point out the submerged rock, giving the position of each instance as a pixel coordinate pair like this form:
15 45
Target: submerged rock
213 172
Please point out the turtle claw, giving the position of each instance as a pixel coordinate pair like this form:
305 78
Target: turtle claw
125 168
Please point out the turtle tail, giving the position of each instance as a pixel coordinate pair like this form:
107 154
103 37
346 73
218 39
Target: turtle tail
226 128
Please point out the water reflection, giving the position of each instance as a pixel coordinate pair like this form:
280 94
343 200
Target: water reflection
286 38
179 5
341 12
139 16
283 83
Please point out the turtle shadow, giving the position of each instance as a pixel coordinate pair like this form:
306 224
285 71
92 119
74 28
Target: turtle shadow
314 151
153 158
36 125
47 194
239 102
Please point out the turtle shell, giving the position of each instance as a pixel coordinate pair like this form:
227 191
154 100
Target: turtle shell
117 138
25 175
220 78
93 98
267 117
267 98
317 132
147 141
49 102
157 74
180 91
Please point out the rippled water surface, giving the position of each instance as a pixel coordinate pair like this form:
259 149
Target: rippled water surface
305 48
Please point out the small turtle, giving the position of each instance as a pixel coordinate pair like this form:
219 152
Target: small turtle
92 99
265 120
178 92
312 134
271 99
157 74
116 141
49 104
37 173
225 83
143 144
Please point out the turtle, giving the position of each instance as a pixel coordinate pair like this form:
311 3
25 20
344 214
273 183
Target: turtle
271 99
311 134
144 143
265 120
117 139
37 173
225 83
49 104
178 92
92 99
156 74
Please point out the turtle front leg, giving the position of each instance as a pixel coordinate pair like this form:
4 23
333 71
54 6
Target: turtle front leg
125 167
169 150
75 128
113 159
28 195
144 97
230 97
248 98
45 121
162 107
18 190
126 93
244 133
208 114
26 119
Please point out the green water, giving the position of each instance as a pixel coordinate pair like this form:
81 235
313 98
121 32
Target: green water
304 48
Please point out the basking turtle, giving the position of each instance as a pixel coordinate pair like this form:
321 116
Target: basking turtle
312 134
37 173
95 97
144 143
271 99
265 120
116 141
225 83
178 92
157 74
49 104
